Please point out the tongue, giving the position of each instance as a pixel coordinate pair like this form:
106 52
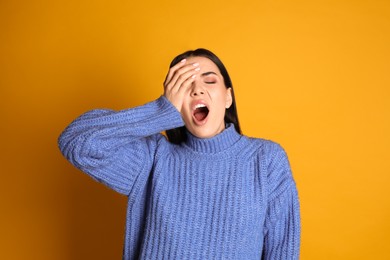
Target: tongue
200 114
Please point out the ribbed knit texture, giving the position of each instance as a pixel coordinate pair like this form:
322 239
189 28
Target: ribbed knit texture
227 197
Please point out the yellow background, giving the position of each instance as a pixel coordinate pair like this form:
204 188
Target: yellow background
311 75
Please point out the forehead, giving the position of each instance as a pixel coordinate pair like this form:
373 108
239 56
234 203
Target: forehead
205 64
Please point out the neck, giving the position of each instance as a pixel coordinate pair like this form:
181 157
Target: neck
215 144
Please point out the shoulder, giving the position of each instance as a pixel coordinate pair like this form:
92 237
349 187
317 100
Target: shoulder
270 155
163 146
274 166
266 148
151 146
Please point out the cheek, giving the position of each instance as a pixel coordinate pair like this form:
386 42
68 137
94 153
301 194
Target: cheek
221 98
220 108
186 113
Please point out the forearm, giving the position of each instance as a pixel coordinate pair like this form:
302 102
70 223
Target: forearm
97 133
113 147
282 224
282 240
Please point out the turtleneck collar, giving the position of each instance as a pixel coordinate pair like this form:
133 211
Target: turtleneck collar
215 144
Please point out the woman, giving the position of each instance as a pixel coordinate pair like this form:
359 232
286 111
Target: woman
207 192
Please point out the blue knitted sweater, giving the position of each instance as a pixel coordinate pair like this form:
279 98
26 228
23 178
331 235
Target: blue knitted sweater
226 197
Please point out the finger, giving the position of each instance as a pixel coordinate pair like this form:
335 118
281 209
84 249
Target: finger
188 75
177 70
173 69
182 74
185 85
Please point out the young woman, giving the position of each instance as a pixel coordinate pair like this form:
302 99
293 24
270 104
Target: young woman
207 192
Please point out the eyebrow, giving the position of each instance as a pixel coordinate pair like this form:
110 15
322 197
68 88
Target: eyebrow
208 73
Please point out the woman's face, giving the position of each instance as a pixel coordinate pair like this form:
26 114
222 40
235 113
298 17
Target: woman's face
204 105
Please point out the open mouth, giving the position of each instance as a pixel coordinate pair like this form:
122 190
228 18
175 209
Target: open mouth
200 112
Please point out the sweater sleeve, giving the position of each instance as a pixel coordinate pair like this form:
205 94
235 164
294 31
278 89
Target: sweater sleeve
116 147
282 223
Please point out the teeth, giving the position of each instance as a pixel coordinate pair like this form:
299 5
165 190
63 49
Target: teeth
199 105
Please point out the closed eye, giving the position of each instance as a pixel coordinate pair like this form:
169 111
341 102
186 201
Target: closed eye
210 80
210 77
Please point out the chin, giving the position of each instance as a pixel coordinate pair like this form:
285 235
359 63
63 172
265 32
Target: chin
203 135
203 132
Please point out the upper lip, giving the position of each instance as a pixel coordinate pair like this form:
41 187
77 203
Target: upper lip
198 103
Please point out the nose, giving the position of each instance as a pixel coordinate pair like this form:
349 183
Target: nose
196 90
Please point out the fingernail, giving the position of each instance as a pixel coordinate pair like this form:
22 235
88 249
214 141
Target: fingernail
193 76
195 64
197 69
183 60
